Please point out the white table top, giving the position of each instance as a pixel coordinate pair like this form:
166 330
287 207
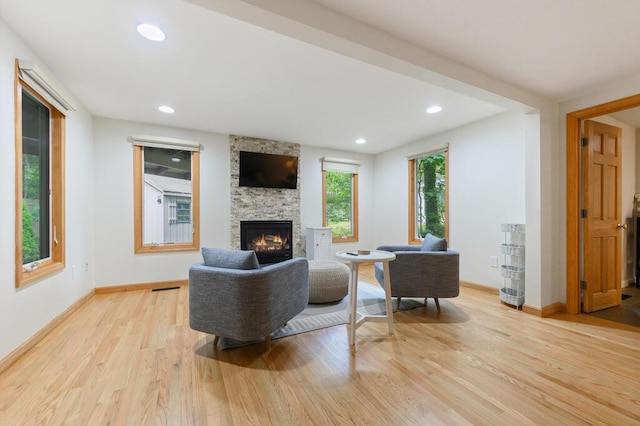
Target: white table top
374 256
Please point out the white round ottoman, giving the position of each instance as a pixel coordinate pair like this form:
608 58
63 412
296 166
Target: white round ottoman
328 281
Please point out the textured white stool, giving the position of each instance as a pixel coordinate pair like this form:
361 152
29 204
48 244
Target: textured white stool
328 281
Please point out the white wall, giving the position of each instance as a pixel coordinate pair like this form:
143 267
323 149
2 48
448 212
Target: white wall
311 194
486 188
116 263
24 311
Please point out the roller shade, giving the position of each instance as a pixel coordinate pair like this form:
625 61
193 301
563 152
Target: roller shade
340 165
163 142
431 151
36 78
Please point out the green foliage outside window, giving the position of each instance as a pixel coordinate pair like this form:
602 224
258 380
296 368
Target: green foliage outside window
430 182
30 244
339 202
30 207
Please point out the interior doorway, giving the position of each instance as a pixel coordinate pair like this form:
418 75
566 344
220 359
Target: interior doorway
573 147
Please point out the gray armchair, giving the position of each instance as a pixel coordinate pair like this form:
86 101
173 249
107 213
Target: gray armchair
421 273
240 300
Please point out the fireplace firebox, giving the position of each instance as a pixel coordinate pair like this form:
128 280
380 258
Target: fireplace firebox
270 239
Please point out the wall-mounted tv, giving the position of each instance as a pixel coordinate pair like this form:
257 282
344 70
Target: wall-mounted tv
268 170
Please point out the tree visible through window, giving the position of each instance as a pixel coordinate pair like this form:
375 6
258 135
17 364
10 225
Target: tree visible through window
428 196
35 179
340 204
40 194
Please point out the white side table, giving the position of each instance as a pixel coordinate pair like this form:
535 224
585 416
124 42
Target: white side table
355 260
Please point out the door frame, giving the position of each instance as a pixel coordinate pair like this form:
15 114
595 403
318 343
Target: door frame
573 190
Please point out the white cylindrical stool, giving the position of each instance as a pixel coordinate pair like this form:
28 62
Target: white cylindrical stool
328 281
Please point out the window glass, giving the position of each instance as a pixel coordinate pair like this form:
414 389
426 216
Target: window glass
166 198
39 202
183 214
428 195
340 204
167 193
35 180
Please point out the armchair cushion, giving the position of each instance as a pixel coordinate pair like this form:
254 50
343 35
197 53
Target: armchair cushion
230 259
432 243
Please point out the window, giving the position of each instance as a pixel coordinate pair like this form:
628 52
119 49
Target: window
340 198
166 194
183 214
428 195
40 233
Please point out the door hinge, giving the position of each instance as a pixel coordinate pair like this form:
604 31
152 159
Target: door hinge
583 285
584 141
583 213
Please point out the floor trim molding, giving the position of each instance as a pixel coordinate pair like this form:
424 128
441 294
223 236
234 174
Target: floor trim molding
18 352
546 311
141 286
480 287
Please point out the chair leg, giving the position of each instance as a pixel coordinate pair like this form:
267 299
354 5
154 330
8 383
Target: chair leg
398 302
267 340
215 341
437 303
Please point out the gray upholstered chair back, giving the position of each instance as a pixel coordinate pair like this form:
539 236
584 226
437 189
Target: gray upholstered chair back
417 273
247 304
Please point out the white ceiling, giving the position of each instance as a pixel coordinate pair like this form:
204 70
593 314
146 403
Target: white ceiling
228 76
557 48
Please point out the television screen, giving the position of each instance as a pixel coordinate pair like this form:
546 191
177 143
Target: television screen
268 170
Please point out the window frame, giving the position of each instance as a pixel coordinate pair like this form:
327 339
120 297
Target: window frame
354 208
138 195
56 261
412 180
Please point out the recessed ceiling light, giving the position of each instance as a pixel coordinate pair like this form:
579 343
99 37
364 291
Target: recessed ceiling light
166 109
175 159
434 109
150 32
361 141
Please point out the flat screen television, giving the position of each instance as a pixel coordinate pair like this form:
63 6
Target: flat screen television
268 170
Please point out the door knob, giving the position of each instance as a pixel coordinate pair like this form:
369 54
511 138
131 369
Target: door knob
622 226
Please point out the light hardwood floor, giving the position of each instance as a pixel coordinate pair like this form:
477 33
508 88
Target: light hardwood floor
131 358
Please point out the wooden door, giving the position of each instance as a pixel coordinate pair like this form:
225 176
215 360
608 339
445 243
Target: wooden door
602 169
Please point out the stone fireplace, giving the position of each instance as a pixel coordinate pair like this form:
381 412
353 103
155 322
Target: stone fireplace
270 239
263 204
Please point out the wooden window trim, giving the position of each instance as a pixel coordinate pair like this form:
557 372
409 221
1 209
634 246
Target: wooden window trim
412 163
354 209
139 247
56 262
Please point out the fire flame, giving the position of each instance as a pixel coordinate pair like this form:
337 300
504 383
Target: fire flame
269 243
